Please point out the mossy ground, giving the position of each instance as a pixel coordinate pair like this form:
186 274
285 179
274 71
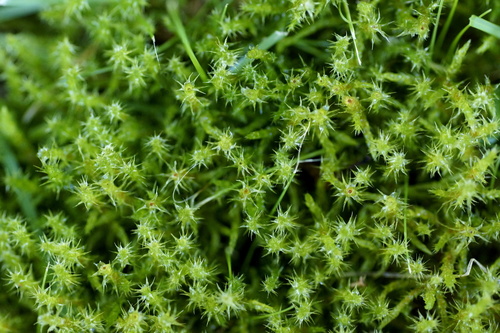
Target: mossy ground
239 166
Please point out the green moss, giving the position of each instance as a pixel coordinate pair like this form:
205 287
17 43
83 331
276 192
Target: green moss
288 166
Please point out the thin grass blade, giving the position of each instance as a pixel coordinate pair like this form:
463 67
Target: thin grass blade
485 26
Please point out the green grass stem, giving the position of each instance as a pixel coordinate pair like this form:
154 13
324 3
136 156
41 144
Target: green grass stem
173 13
461 33
484 25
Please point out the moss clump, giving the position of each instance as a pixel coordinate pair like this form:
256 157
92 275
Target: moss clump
289 166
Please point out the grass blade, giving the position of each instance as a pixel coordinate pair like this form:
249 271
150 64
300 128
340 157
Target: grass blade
485 26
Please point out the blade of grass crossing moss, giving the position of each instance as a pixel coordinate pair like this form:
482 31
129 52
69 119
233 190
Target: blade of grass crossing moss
10 13
446 26
168 44
229 267
264 316
348 20
154 46
303 33
223 15
485 26
173 13
405 224
282 195
307 47
436 24
454 44
39 326
265 44
12 9
267 315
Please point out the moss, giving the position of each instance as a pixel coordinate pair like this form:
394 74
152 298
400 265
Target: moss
288 166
